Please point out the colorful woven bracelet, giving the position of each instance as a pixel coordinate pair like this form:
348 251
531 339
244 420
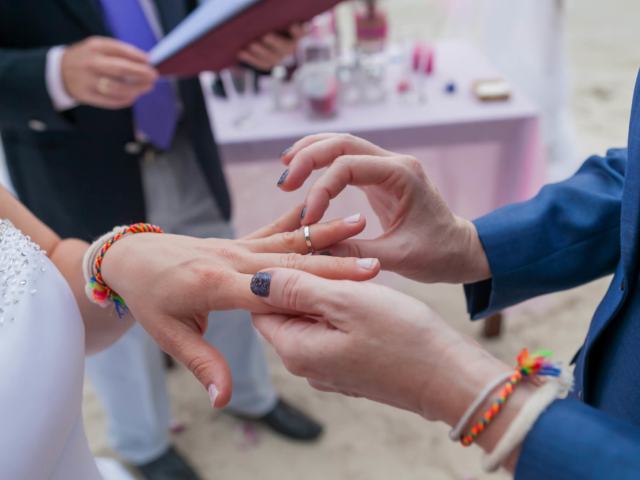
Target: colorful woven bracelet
100 290
527 366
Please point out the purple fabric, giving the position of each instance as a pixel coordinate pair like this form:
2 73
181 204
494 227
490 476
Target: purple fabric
155 113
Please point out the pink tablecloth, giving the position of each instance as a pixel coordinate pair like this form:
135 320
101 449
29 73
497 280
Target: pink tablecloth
481 156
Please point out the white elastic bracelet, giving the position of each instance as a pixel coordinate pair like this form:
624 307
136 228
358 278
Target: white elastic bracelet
526 418
456 434
89 261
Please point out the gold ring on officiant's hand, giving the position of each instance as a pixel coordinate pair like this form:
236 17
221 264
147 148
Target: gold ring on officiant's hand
307 239
103 86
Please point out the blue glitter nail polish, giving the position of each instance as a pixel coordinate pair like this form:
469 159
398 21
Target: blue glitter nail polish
283 177
261 284
451 87
304 212
285 151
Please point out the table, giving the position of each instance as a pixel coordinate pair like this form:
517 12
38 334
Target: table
480 155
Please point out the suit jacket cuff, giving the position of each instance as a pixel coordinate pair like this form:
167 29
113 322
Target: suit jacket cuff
25 99
573 440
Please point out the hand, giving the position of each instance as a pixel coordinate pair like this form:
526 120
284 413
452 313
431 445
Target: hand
366 340
272 49
123 69
423 240
171 283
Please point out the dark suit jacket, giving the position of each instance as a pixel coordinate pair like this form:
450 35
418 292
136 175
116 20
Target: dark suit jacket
571 233
76 175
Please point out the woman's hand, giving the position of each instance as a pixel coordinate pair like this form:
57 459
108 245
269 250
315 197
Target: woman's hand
271 49
366 340
171 283
423 240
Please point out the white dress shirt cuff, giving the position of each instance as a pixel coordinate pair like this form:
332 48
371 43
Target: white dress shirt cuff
55 85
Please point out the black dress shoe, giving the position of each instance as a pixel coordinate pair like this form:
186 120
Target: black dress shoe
169 466
290 422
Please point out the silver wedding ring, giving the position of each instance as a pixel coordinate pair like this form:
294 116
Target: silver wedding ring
103 86
307 239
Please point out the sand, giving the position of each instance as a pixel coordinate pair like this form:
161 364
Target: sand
365 440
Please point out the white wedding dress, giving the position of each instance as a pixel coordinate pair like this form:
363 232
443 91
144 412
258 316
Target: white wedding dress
41 368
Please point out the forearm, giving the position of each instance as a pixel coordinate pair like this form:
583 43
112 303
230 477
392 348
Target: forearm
471 373
102 326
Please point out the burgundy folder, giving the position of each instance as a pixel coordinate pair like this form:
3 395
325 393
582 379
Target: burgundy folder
218 48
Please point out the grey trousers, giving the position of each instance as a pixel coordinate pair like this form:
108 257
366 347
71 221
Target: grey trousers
129 377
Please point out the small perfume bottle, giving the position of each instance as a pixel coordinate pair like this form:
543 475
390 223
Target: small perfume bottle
320 93
371 27
317 77
320 45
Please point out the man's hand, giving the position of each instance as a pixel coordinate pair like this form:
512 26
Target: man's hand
106 73
423 240
272 49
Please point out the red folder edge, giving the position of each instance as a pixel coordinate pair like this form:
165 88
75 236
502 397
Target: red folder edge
219 48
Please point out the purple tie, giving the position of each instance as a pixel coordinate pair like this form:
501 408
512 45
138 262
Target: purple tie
155 113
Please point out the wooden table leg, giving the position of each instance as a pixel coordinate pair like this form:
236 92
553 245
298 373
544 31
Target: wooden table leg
493 326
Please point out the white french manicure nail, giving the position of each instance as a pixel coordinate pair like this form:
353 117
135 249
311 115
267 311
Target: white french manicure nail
366 263
352 219
213 394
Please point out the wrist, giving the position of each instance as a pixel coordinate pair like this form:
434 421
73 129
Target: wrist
472 261
117 261
471 370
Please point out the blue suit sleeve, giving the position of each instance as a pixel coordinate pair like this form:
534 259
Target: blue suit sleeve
573 440
568 235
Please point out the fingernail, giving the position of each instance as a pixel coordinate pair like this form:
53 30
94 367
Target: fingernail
283 177
285 151
353 218
261 284
304 212
213 394
326 254
366 263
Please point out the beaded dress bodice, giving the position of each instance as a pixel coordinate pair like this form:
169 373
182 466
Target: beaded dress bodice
21 264
41 368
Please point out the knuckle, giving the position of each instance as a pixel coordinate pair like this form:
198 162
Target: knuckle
346 137
93 42
293 261
198 367
290 292
289 240
208 275
411 162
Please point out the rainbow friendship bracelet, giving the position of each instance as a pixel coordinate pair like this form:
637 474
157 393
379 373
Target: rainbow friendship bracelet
101 292
528 366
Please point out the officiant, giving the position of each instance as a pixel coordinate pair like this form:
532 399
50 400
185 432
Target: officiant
92 140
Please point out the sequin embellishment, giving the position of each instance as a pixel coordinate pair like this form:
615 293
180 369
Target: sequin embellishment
18 267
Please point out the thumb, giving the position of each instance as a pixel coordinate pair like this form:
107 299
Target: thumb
205 362
304 293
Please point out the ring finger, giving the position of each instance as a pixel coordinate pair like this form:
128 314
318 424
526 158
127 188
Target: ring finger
321 236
